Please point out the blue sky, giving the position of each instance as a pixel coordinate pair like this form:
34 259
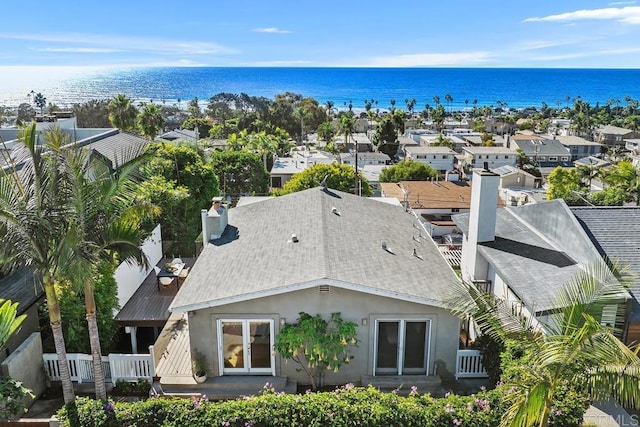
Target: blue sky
462 33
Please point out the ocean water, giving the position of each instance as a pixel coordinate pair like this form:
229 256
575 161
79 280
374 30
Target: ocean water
518 87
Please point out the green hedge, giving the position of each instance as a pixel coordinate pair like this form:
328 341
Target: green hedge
349 406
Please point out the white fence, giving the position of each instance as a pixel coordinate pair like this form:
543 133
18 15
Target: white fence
469 365
125 367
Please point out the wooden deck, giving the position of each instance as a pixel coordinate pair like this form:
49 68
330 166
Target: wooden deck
149 306
173 352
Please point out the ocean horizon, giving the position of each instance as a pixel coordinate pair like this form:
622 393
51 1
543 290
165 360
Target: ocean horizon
517 87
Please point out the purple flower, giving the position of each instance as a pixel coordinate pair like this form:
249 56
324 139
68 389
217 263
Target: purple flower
483 388
307 391
196 402
349 386
557 412
449 409
109 406
248 424
456 422
226 424
414 390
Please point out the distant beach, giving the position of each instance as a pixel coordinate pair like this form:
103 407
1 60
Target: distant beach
517 87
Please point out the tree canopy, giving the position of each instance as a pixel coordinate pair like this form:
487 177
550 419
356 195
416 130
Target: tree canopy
408 170
339 177
240 172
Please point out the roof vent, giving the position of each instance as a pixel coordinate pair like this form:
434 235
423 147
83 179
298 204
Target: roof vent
415 254
294 239
324 288
387 248
335 211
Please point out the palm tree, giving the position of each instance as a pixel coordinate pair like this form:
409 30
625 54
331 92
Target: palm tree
263 144
150 121
40 101
449 99
571 347
347 128
104 220
122 113
33 222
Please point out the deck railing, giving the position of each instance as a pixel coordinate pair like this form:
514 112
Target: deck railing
469 365
125 367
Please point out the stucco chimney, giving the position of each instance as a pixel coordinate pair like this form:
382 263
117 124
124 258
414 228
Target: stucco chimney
214 221
482 222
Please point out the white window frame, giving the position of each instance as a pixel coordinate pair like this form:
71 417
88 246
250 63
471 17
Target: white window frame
247 370
401 344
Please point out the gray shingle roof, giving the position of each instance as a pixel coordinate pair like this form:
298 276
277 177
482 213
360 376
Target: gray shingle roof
615 231
540 147
538 248
255 257
21 287
118 147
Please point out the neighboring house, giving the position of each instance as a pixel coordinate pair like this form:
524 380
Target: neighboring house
615 232
313 157
284 168
372 174
614 135
24 288
313 251
524 254
632 145
579 147
475 139
439 158
432 201
543 152
360 139
515 185
591 161
364 159
495 157
115 147
189 135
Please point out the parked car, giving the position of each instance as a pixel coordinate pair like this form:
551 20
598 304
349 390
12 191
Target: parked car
452 240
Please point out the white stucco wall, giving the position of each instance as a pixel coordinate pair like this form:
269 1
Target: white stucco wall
130 277
354 307
25 365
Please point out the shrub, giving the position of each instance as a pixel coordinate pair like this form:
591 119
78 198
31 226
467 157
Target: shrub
130 388
346 406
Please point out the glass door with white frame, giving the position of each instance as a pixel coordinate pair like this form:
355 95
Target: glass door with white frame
402 347
246 346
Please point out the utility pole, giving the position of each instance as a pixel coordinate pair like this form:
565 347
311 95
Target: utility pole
356 188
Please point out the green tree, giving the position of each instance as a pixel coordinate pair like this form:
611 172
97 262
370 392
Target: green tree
122 112
487 139
92 114
339 177
326 131
348 128
104 220
317 345
571 348
179 168
564 184
408 170
611 196
40 101
443 141
33 222
240 172
150 121
26 114
386 137
263 144
204 125
437 116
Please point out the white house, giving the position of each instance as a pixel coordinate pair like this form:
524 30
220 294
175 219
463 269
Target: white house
495 157
439 158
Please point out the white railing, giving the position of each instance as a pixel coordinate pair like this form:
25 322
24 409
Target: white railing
125 367
469 365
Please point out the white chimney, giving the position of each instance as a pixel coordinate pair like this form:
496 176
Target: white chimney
214 221
482 222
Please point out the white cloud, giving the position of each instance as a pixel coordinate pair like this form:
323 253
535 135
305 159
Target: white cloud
271 30
628 15
119 43
431 59
76 49
621 3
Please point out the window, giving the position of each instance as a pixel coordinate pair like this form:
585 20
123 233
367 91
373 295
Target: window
553 158
564 159
506 156
455 209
